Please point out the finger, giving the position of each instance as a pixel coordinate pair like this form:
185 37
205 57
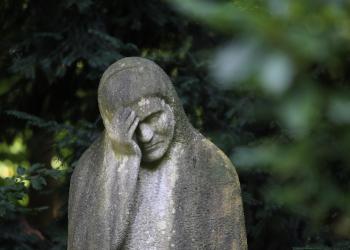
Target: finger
130 118
133 126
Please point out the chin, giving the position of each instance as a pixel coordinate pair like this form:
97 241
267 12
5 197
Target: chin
153 155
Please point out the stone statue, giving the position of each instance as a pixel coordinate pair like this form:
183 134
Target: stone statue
151 181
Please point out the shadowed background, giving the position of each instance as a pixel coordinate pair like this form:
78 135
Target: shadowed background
266 81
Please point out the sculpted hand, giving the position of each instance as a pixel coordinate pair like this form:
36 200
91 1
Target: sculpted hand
121 131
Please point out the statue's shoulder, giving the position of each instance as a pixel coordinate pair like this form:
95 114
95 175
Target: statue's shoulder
89 156
215 160
81 174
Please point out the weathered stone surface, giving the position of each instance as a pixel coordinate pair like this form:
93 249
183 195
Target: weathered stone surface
151 181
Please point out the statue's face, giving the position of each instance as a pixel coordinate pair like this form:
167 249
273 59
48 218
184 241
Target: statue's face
156 127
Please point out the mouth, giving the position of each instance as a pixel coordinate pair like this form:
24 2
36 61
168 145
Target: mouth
148 147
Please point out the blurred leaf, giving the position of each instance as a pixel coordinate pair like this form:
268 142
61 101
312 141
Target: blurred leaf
276 73
38 182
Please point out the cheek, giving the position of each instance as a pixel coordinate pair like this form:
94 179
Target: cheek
164 125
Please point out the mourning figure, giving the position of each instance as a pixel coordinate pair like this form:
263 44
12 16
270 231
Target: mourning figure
151 181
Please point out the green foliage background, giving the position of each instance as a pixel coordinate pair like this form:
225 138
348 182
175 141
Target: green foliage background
267 81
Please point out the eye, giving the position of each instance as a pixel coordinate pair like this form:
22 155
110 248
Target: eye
153 117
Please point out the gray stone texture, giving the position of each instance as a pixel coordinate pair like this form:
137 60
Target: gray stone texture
151 181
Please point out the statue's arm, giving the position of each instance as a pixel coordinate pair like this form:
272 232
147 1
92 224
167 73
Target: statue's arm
103 188
116 184
117 195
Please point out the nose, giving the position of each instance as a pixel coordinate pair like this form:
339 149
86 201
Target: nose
145 133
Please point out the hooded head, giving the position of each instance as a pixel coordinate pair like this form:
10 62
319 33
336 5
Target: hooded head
141 85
